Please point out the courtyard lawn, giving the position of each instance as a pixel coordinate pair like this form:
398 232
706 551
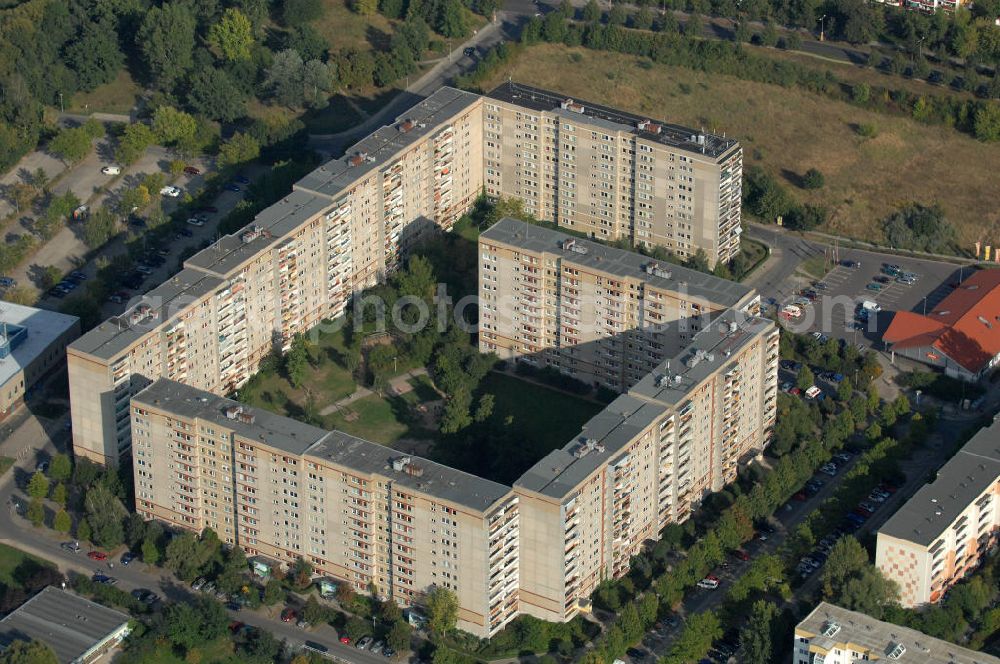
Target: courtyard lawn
218 650
790 130
117 96
10 558
548 419
381 420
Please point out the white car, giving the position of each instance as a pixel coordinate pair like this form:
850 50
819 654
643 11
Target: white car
112 170
195 221
709 582
171 191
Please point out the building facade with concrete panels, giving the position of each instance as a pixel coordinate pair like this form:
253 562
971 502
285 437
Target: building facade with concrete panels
342 229
942 532
614 175
357 511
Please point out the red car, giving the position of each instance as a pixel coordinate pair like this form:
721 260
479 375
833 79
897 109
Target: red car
795 391
235 626
288 615
741 554
97 555
345 640
800 496
191 170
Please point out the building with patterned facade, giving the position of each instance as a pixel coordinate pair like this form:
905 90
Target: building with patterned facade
613 175
358 511
342 229
942 532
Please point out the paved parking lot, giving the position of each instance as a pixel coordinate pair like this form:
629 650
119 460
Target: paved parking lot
833 312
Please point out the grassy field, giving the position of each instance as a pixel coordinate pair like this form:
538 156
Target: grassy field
10 558
118 96
217 650
344 28
383 419
548 418
788 130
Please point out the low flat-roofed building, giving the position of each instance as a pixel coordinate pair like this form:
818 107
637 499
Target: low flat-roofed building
834 635
943 531
32 343
78 631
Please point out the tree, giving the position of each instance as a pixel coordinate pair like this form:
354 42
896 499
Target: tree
755 637
99 227
442 610
83 531
166 40
105 514
94 55
805 379
693 26
299 12
62 521
770 35
813 179
987 122
456 412
591 12
700 631
172 127
297 361
273 592
399 636
451 19
742 32
215 95
133 142
239 149
36 512
60 468
365 7
643 19
284 78
59 494
485 408
617 15
38 485
232 36
22 195
150 551
313 612
28 652
71 145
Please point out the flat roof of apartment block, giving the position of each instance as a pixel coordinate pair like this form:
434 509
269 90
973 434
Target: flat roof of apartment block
607 433
831 627
672 135
298 438
145 314
935 506
618 262
384 144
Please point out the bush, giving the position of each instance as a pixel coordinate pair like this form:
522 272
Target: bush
813 179
866 130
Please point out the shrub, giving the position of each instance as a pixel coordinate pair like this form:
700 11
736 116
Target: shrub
813 179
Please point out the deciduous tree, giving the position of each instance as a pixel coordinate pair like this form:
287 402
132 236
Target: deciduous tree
166 40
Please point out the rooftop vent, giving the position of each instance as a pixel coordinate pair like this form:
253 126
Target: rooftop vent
240 414
663 381
896 650
360 158
253 233
586 446
142 313
570 105
399 463
650 126
572 245
657 270
830 628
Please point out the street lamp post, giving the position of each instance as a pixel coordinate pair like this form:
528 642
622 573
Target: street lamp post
822 34
62 109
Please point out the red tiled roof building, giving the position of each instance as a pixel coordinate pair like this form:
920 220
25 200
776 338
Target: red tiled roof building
961 335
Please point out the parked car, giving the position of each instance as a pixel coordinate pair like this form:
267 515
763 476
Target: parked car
346 640
76 275
127 557
171 191
469 52
364 642
143 269
191 170
302 623
740 554
233 187
710 582
185 232
112 170
288 614
378 647
8 282
242 179
97 555
104 579
72 547
195 221
874 287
